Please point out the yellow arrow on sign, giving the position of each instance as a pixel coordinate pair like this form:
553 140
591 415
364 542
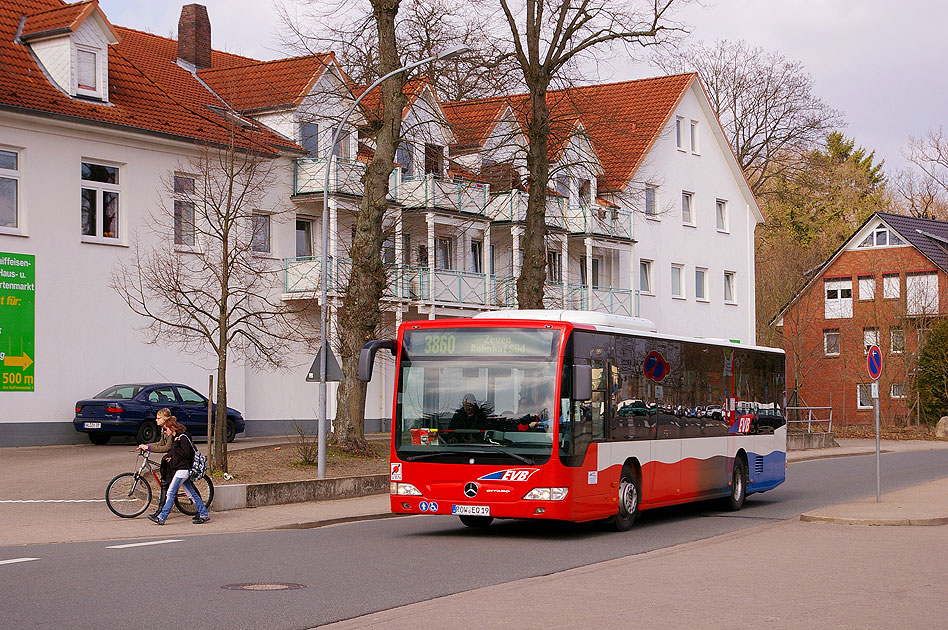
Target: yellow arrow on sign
25 361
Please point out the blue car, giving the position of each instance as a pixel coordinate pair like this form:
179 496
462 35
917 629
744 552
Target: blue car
131 409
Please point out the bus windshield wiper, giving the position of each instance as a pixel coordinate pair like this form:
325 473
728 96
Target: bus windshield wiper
525 460
415 458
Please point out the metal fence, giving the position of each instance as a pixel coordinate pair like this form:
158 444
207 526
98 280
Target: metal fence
810 419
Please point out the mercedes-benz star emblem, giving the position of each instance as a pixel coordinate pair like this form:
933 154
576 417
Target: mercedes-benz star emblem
470 489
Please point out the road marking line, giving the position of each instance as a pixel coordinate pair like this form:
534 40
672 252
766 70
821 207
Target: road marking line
145 544
53 500
15 560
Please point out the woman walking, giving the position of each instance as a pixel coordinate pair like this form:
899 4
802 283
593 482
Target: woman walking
180 458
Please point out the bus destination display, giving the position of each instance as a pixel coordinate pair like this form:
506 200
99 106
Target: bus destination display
479 342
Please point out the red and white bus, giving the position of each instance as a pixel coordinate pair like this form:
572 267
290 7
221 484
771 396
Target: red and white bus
576 416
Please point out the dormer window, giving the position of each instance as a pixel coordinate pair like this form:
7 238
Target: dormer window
86 70
881 236
72 43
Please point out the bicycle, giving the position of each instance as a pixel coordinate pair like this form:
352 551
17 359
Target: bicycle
129 494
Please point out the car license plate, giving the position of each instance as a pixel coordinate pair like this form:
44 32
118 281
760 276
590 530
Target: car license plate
92 425
471 510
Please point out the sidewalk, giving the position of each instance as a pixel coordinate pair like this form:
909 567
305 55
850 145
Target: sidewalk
71 480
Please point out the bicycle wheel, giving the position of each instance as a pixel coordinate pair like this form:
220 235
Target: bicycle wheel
128 495
205 488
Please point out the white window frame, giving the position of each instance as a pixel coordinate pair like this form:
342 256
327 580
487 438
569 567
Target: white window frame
921 293
827 333
14 176
690 220
554 265
860 389
695 138
646 286
311 230
311 139
701 284
721 216
257 245
679 140
867 287
893 347
101 189
897 393
837 306
891 286
96 90
651 202
183 197
477 256
870 337
444 259
730 282
678 292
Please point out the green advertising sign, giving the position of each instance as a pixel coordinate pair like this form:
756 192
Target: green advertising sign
17 321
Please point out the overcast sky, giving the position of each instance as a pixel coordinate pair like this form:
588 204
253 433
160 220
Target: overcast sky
881 62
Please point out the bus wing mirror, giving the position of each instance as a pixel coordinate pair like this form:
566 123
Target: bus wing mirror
582 382
367 356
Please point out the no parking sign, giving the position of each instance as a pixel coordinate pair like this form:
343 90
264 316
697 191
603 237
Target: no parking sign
874 362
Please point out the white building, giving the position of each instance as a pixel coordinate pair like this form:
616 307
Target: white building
94 117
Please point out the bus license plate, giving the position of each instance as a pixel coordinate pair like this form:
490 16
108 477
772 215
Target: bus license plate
471 510
92 425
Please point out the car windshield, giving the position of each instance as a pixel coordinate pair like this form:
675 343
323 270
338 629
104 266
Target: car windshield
498 403
120 392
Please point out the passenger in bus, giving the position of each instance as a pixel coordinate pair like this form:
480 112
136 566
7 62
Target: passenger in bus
467 422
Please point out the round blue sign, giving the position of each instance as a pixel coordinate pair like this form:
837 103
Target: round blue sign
874 362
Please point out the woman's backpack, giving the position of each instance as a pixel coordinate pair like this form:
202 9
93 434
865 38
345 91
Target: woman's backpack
199 464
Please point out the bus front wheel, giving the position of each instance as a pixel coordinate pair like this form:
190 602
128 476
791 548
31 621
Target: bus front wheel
629 497
478 522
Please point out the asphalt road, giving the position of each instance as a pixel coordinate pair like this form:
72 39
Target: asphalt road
353 569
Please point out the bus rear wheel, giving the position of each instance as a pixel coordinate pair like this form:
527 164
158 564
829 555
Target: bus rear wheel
738 486
629 497
477 522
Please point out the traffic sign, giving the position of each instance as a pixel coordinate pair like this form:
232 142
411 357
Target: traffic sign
655 366
874 362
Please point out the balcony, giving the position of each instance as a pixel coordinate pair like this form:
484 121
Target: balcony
604 300
433 191
512 206
407 282
599 220
345 176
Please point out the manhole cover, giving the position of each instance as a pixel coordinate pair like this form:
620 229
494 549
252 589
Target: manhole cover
264 586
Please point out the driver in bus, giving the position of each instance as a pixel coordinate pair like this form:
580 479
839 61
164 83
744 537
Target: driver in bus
469 416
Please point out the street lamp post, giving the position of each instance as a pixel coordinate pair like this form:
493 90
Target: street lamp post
324 267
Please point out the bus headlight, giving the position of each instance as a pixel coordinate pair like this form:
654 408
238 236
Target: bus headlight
403 489
546 494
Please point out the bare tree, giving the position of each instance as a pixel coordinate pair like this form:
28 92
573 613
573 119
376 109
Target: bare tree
765 103
424 28
926 193
920 196
548 40
201 283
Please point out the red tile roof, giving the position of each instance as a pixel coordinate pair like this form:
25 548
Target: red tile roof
623 120
59 19
148 91
267 84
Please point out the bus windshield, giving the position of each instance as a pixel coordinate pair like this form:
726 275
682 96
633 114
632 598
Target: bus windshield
476 391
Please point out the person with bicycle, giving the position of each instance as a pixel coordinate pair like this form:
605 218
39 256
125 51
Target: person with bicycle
161 446
181 457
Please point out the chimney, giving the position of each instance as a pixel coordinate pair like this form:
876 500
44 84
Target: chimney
194 36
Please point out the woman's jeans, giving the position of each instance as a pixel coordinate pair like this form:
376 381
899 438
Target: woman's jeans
181 476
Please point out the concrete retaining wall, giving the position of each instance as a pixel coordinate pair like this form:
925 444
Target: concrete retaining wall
235 496
805 441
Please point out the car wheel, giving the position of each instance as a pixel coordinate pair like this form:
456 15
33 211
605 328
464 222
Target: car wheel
99 438
147 432
231 430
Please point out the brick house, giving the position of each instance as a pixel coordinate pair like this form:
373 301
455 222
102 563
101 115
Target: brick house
883 286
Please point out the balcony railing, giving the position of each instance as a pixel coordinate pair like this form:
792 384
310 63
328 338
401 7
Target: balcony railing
603 300
345 176
433 191
302 275
599 220
512 206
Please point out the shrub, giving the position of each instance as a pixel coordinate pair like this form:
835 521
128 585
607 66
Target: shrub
931 380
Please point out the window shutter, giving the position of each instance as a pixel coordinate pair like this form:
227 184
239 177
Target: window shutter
86 69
